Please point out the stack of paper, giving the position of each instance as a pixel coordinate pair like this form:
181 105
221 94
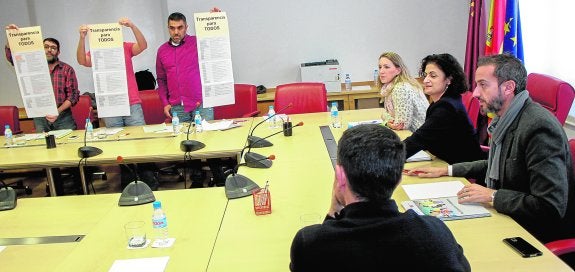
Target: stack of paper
57 133
375 121
157 128
219 125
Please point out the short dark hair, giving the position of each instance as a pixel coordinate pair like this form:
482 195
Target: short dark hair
507 67
451 68
372 157
52 40
176 16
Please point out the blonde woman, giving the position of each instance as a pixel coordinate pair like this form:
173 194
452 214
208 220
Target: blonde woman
404 102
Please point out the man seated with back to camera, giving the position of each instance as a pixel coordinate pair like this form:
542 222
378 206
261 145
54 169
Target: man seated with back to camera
529 172
364 230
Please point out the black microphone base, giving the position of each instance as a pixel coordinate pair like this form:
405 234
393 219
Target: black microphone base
257 142
238 186
136 193
255 160
88 152
191 145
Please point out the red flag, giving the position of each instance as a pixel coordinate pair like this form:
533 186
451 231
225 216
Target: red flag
495 28
475 39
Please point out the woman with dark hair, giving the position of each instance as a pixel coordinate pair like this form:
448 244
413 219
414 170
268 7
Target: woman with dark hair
447 132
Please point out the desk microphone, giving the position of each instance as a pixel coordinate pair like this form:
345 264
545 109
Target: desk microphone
136 192
8 197
255 160
85 151
255 139
239 185
188 145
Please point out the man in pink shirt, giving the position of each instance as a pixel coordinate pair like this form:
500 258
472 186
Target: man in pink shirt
136 117
180 87
178 72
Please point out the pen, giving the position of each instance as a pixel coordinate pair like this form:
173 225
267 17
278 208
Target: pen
416 172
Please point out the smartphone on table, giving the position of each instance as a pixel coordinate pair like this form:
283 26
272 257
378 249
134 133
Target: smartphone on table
524 248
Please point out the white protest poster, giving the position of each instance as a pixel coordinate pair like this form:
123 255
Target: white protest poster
32 71
109 70
215 58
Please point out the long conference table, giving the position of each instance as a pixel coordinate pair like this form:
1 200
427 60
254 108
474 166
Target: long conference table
216 234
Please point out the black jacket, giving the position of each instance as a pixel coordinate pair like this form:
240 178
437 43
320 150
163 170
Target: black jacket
370 237
447 133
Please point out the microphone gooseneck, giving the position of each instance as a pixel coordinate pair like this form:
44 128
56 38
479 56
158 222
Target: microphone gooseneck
251 138
86 151
265 119
191 145
255 160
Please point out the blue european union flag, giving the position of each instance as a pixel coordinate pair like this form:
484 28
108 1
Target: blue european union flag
512 41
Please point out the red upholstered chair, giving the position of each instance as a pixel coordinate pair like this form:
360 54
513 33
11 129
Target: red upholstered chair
246 105
304 97
81 110
9 116
472 106
564 246
152 107
552 93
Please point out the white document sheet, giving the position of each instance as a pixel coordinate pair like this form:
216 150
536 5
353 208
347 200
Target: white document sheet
432 190
157 264
419 156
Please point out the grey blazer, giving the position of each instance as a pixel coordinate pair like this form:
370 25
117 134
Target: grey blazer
536 182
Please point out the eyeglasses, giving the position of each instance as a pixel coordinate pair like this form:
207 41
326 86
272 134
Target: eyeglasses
50 47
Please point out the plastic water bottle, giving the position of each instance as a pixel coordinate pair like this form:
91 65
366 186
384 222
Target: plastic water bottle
159 221
89 130
175 123
272 117
347 82
198 122
8 135
335 115
375 77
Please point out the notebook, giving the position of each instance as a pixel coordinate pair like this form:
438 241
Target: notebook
446 208
439 199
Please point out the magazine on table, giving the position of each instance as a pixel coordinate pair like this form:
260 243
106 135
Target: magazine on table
439 199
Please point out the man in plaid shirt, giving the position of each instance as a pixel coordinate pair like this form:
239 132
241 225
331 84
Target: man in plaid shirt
65 87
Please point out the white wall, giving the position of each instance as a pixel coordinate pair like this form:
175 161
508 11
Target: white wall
548 41
270 39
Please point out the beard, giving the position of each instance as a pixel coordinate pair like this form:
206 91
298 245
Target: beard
495 105
52 60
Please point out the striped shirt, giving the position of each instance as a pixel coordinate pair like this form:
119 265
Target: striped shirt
64 81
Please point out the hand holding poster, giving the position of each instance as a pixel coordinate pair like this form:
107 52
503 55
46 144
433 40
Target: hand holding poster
109 70
215 58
